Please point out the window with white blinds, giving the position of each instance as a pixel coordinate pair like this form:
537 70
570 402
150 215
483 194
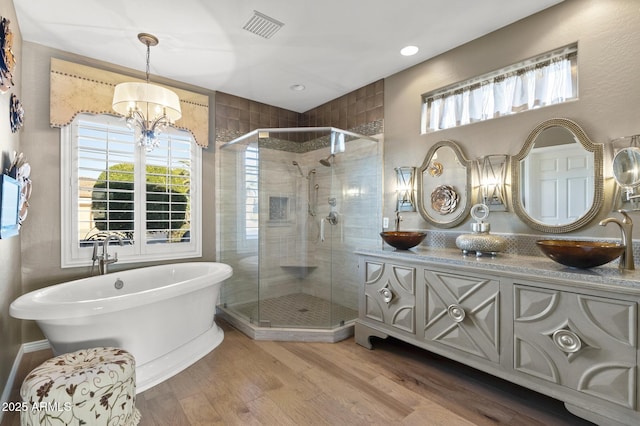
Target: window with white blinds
251 169
151 200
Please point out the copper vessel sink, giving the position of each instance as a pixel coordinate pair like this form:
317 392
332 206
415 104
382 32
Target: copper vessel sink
403 240
580 254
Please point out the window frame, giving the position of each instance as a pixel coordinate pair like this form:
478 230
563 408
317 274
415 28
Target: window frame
72 254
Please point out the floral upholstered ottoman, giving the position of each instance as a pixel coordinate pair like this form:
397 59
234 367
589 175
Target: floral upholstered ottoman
89 387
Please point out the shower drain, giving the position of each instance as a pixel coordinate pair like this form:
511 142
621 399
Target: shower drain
303 310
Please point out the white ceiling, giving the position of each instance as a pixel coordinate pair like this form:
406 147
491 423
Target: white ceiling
330 46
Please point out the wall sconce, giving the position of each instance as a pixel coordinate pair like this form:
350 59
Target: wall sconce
405 189
492 172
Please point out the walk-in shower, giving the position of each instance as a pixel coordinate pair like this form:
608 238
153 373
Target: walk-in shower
290 228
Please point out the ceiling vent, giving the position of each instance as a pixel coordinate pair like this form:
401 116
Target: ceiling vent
262 25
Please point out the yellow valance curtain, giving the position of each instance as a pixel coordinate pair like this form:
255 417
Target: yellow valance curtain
79 88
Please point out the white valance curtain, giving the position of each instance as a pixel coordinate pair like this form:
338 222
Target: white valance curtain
532 86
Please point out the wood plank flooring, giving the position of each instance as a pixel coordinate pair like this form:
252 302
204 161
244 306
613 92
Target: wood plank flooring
247 382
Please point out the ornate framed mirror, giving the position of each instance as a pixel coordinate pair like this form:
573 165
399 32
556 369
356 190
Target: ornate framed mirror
557 178
444 185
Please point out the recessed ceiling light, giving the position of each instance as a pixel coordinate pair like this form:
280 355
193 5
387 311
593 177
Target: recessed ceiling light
297 87
409 50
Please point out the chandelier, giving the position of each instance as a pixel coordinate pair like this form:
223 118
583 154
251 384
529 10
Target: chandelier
148 108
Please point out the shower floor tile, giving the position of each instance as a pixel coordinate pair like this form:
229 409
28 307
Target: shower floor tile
296 310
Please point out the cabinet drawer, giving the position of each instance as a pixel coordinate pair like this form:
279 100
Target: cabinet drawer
583 342
463 312
390 294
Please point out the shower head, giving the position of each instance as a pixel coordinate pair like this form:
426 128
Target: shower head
325 161
295 163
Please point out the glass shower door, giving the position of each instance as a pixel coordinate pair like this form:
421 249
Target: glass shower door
295 205
356 183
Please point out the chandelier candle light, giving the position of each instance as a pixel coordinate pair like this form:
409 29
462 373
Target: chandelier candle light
148 108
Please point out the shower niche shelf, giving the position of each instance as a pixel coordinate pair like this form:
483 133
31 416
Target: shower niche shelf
300 267
303 260
294 264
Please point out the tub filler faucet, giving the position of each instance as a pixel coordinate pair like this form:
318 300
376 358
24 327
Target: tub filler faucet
626 229
105 259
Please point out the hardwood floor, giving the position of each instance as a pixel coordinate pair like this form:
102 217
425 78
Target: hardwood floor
247 382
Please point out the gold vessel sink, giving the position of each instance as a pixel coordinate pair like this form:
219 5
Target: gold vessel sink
403 240
580 254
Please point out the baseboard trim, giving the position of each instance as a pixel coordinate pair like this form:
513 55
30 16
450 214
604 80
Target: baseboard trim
24 349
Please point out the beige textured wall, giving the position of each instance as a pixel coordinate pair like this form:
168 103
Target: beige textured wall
41 144
10 281
609 93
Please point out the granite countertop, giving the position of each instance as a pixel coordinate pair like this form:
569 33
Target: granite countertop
608 276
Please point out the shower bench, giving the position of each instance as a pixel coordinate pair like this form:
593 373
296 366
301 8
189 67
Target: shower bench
569 334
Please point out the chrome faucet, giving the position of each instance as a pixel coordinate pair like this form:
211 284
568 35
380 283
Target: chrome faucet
626 229
105 259
398 220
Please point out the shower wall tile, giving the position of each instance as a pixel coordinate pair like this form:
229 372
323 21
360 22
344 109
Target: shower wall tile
360 111
351 111
237 116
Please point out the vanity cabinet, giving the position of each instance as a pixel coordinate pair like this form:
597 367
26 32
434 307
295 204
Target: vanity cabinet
390 295
462 312
583 342
553 333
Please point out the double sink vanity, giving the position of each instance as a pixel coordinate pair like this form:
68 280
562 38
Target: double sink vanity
569 333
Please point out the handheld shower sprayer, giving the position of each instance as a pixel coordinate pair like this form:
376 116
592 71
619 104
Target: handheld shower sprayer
295 163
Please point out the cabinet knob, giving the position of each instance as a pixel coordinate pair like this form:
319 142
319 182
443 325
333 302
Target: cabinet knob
387 295
567 341
456 312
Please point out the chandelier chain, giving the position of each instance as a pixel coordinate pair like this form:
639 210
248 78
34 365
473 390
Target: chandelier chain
148 59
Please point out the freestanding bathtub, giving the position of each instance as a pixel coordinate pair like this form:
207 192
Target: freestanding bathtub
162 314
